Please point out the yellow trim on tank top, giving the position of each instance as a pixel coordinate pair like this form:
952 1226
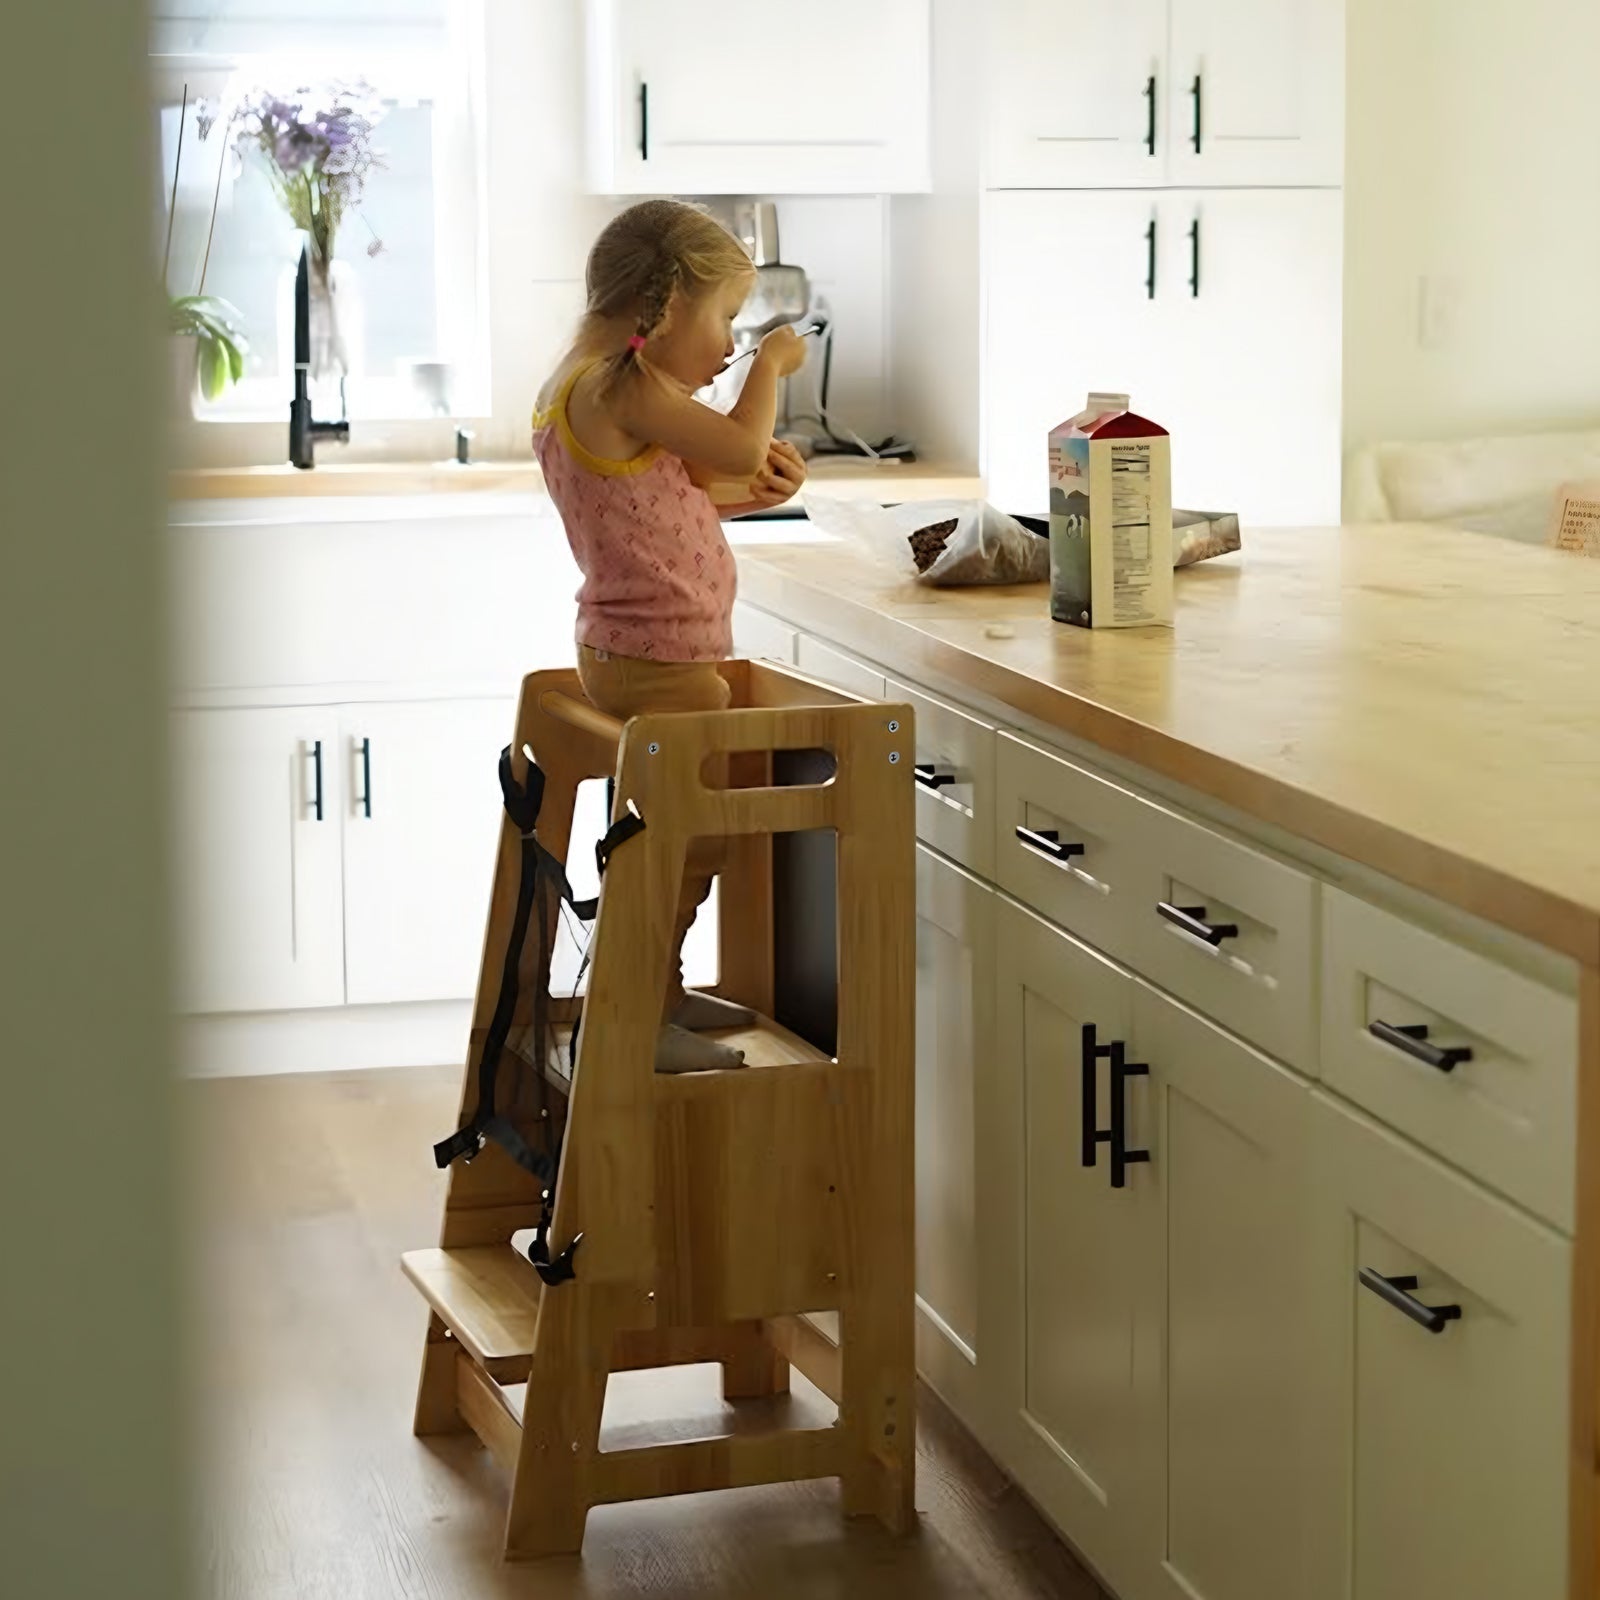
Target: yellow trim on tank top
605 466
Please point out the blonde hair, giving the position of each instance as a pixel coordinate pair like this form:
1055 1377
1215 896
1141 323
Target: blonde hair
642 258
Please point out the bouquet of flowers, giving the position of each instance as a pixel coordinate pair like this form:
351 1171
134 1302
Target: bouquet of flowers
318 152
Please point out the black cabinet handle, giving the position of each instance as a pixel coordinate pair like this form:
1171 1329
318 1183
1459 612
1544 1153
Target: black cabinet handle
1192 919
931 777
1150 114
1048 843
1196 91
1090 1134
366 777
1150 260
1394 1292
316 767
1412 1039
1121 1156
644 120
1194 258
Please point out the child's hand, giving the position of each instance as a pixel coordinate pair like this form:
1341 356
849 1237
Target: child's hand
780 479
785 349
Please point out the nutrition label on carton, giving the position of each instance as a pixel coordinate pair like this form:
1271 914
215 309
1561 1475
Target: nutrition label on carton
1131 542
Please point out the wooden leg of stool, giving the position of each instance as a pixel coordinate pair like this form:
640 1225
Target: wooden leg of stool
550 1494
879 1397
437 1411
751 1368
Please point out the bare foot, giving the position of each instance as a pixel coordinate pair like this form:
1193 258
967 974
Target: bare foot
678 1050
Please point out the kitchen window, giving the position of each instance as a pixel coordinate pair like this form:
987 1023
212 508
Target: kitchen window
410 259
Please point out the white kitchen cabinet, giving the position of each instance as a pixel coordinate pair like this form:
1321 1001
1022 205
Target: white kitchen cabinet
1218 312
421 823
1074 93
1444 1469
256 854
685 99
1087 93
955 995
1066 1253
1226 1332
1255 92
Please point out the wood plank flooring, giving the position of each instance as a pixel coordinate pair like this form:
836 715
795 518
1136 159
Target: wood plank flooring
305 1190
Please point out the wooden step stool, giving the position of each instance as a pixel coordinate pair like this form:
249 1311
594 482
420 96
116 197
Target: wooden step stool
716 1208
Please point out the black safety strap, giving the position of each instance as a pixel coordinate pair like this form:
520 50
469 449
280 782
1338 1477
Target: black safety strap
541 873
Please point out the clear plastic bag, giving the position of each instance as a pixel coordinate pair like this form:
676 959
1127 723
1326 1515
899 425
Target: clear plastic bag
940 542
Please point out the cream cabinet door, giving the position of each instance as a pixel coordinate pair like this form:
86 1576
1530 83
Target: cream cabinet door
256 855
1225 1324
1066 1248
1442 1378
955 997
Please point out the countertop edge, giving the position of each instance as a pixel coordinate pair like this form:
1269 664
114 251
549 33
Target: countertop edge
1563 925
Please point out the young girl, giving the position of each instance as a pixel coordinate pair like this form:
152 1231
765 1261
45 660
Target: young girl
626 450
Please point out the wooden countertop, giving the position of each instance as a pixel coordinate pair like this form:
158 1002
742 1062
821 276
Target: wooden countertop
1422 701
892 480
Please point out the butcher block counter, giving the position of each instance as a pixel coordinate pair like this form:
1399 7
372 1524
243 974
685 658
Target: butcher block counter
1324 861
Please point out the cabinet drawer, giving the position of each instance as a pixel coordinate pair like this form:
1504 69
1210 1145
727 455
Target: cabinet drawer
1443 1459
955 780
1228 929
762 637
1505 1111
1065 843
835 667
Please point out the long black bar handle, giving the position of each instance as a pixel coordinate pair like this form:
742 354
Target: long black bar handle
1412 1039
644 120
1121 1156
1047 841
1194 258
931 776
366 777
1150 115
1090 1134
1396 1292
316 767
1150 260
1197 93
1192 919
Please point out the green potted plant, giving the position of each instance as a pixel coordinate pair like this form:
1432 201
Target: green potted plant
206 333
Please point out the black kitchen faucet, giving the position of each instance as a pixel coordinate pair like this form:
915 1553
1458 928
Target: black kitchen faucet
303 430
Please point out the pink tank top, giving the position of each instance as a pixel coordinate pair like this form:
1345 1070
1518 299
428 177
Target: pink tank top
658 577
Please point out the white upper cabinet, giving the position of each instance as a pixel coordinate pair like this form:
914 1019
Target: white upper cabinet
1075 93
1091 93
685 98
1255 92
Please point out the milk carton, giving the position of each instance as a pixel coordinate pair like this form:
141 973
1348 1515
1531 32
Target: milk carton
1110 518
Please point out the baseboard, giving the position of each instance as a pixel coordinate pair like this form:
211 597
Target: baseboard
339 1039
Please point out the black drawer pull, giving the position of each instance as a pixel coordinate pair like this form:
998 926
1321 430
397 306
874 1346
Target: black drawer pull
1121 1156
1150 114
1412 1039
1192 919
929 776
1196 91
316 763
644 121
1048 843
1393 1292
1150 260
366 777
1089 1132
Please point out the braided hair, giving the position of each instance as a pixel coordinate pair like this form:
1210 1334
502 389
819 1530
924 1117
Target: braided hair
643 258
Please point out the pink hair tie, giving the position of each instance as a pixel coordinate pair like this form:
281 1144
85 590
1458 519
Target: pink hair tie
636 342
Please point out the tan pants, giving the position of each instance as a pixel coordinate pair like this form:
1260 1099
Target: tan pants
624 687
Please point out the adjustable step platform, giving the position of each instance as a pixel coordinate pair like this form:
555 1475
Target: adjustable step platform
715 1217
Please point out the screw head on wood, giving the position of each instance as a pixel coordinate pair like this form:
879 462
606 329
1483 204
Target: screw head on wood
894 758
894 725
655 749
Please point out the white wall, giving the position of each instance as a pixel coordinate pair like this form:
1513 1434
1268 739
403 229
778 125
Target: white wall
1473 162
934 301
540 224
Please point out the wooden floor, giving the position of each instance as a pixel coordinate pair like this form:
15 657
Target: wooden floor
306 1190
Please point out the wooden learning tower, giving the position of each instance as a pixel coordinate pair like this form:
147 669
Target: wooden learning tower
712 1210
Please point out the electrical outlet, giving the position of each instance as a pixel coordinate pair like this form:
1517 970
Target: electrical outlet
1438 311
